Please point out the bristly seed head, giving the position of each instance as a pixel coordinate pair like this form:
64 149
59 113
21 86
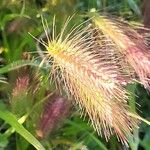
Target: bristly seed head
128 43
55 111
89 73
22 84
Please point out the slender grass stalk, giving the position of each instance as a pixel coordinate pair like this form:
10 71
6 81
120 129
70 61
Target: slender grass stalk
91 79
139 118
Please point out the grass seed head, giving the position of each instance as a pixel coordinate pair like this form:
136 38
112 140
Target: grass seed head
91 77
22 85
55 110
128 43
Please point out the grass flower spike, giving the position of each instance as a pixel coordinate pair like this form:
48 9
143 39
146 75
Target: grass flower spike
19 95
91 78
55 111
128 43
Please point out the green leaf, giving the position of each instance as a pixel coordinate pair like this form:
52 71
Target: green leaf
134 7
9 118
3 141
132 96
9 17
97 141
18 64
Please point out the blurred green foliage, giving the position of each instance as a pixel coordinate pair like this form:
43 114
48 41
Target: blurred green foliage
19 58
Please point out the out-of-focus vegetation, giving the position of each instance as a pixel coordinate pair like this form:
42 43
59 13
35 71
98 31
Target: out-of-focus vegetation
25 87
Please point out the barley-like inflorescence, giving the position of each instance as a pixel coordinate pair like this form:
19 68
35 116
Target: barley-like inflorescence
128 43
89 74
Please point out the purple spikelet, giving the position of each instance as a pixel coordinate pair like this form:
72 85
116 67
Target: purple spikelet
55 110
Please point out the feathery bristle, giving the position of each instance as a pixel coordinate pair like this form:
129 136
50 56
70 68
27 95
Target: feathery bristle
107 48
92 79
129 43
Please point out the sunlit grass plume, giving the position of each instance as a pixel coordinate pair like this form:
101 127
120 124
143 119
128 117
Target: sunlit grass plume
88 73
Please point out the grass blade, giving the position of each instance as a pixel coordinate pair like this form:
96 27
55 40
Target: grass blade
9 118
18 64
